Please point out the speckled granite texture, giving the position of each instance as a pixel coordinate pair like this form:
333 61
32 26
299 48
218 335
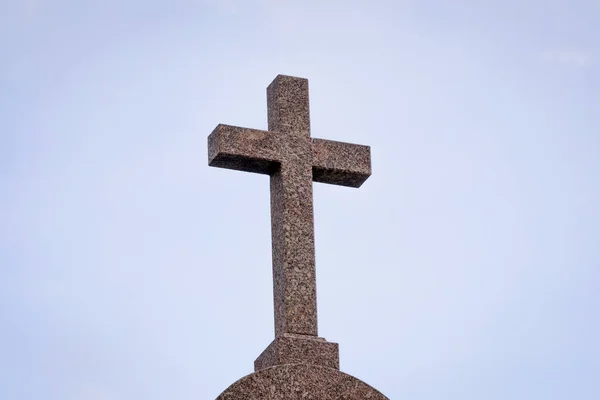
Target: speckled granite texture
292 349
302 382
293 160
298 363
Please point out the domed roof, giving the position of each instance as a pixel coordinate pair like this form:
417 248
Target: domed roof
301 382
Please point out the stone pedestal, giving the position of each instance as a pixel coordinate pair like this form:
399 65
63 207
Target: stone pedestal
291 348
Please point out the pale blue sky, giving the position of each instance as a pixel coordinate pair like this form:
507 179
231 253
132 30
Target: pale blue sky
466 267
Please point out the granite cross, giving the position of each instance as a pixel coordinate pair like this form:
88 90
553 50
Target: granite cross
293 160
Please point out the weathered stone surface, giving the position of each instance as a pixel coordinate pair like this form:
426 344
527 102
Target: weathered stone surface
339 163
293 349
300 382
297 364
293 160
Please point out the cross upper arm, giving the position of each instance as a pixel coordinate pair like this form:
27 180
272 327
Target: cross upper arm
243 149
340 163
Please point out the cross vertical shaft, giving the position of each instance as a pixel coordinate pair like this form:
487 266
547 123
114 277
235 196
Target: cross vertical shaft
292 220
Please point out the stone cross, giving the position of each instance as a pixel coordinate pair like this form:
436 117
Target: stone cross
293 160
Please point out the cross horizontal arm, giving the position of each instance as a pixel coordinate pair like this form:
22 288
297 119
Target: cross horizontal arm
243 149
340 163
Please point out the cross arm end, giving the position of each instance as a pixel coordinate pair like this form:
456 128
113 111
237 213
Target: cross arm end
339 163
242 149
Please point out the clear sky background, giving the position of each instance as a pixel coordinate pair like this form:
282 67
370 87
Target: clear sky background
466 267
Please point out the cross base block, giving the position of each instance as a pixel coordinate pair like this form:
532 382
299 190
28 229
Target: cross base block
292 348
